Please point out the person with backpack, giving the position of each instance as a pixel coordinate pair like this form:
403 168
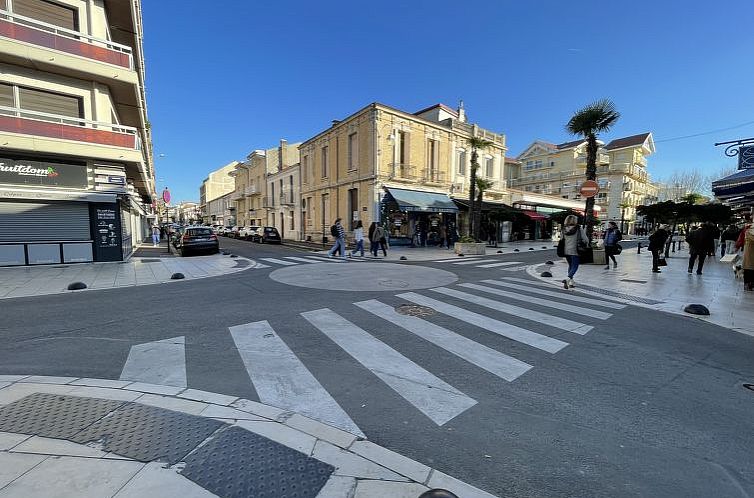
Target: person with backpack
339 233
612 236
377 239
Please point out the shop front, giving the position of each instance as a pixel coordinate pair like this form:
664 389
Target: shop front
417 218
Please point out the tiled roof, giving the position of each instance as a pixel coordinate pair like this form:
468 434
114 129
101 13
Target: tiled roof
619 143
568 145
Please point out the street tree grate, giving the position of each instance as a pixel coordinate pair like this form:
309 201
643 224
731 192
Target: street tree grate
414 310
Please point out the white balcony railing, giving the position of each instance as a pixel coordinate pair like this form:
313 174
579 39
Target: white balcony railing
65 40
250 190
25 122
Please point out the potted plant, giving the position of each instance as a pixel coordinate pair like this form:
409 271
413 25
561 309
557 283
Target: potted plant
468 245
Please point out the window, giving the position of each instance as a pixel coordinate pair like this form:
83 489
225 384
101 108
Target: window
402 150
290 186
325 158
272 194
6 95
461 162
353 151
49 102
305 169
431 155
530 165
49 12
490 167
292 221
353 207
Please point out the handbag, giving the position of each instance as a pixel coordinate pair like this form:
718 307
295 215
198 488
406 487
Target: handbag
662 262
560 251
618 249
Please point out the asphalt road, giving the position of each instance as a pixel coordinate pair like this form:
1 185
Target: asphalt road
643 404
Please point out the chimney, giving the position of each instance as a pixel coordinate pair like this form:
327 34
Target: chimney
281 153
461 112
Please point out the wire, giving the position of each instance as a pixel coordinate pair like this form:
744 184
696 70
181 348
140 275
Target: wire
705 132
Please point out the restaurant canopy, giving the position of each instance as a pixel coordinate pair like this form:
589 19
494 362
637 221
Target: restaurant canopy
415 200
737 188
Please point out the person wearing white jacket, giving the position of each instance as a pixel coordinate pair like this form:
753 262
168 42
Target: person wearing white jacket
358 237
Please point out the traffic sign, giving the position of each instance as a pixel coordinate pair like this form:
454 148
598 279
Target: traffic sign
166 196
589 188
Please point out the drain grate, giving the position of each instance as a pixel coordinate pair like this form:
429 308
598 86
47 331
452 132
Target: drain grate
150 260
414 310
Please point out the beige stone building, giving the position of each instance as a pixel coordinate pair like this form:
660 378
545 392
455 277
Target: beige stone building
256 203
217 184
381 163
76 168
559 170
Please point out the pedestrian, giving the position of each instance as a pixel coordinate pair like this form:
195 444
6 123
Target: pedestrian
612 236
728 239
155 235
443 235
574 242
337 231
701 243
656 246
380 237
745 241
358 236
715 232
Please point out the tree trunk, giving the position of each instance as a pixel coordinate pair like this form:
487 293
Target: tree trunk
478 214
472 192
591 174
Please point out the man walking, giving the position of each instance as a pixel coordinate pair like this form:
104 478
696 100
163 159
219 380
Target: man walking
339 233
656 246
701 244
155 235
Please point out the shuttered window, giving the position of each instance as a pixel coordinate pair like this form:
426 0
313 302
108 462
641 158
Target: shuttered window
49 102
49 12
6 95
56 221
3 5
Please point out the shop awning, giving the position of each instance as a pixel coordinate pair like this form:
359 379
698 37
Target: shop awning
415 200
737 184
535 215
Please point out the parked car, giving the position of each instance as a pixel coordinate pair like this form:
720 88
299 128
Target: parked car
270 235
197 238
253 233
233 232
225 231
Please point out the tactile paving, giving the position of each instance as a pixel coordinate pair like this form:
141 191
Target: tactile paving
238 464
147 433
54 415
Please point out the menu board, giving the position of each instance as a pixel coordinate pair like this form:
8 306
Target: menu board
106 231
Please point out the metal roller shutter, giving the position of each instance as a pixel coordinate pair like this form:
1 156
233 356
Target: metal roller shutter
35 221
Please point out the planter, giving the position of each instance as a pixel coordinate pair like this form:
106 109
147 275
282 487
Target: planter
469 248
598 257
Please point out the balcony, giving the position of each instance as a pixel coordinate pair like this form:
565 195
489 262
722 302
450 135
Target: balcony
601 159
433 176
400 171
25 29
286 199
602 200
237 196
251 190
268 202
42 124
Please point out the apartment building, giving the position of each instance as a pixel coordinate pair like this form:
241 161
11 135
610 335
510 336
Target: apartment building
254 203
217 184
284 201
559 170
400 168
76 169
220 211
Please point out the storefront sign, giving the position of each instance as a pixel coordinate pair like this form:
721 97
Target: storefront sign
746 157
116 180
106 231
23 172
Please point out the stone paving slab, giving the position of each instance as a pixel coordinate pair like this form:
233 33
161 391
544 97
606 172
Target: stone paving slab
339 465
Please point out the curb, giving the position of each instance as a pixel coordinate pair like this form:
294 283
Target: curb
311 437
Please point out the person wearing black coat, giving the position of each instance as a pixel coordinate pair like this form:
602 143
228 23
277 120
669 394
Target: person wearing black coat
656 246
701 243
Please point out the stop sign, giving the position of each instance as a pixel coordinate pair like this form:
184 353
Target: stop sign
589 188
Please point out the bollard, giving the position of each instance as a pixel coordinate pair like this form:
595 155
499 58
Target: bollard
437 493
638 248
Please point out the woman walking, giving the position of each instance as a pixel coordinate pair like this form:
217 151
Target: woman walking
612 237
376 239
574 242
746 242
358 236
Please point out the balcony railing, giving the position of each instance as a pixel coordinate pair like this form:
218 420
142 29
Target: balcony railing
42 124
433 176
402 171
286 199
601 159
237 196
40 33
250 190
268 202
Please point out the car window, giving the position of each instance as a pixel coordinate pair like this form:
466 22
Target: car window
199 232
270 230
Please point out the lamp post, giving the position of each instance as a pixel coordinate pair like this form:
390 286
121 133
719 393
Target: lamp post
166 200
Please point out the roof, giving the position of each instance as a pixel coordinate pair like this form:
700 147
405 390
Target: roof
441 106
569 145
512 160
415 200
620 143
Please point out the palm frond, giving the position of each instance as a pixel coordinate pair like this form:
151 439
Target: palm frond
594 118
478 143
484 184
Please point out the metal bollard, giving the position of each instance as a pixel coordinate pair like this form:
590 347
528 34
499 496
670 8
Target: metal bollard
639 248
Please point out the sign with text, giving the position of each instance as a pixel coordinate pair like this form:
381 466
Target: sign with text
746 157
42 173
106 231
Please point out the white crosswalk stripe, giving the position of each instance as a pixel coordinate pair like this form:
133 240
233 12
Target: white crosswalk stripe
158 362
525 313
567 296
278 261
504 329
495 265
280 378
516 268
579 310
454 260
302 260
320 258
473 262
435 398
502 365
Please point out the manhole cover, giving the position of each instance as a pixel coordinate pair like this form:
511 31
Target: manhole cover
750 387
414 310
148 260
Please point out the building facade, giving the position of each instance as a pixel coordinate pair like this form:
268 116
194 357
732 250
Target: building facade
220 211
217 184
383 164
284 206
559 170
76 168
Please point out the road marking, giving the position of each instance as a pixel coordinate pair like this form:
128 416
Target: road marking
499 364
601 315
438 400
507 330
495 265
525 313
473 262
303 260
320 258
506 282
158 362
260 266
516 268
467 258
280 378
278 261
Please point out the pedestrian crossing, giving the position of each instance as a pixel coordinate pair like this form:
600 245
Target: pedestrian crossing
297 260
523 322
481 262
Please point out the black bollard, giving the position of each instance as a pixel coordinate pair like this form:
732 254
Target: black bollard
437 493
638 248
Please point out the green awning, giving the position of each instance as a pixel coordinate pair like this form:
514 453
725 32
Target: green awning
415 200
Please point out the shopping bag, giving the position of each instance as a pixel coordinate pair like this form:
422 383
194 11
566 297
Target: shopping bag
730 258
662 262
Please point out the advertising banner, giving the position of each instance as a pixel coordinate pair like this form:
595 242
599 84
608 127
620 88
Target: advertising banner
106 231
42 173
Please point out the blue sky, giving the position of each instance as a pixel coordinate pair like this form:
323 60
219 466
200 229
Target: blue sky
223 82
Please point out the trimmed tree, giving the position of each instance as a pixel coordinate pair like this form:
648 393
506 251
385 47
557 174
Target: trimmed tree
476 144
595 118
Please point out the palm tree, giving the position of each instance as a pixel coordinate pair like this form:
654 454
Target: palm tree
595 118
476 144
482 184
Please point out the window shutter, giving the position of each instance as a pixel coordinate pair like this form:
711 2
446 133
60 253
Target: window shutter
6 95
51 103
49 12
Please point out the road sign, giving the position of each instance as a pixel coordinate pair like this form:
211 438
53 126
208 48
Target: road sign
589 188
166 196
